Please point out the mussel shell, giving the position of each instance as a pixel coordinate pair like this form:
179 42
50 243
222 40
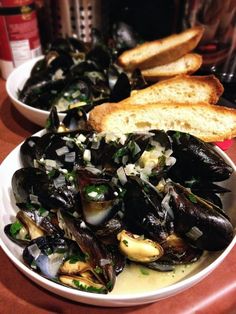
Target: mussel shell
27 181
43 259
137 80
104 204
100 56
19 242
201 223
121 89
48 147
144 213
98 255
76 91
198 159
27 151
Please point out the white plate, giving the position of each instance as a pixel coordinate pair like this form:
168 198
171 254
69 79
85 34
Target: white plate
15 82
8 212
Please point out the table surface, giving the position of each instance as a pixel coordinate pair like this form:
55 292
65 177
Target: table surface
215 294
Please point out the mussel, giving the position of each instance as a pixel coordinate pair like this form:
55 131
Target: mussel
202 223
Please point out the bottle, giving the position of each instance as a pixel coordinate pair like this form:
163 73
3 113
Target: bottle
19 34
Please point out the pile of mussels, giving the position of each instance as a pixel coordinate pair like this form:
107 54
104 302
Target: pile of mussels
91 202
74 73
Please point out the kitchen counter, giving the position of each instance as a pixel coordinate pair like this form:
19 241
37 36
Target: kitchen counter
18 294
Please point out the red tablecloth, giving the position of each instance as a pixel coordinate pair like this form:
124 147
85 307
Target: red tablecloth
215 294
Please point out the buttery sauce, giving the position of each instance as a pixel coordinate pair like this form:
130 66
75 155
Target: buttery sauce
137 278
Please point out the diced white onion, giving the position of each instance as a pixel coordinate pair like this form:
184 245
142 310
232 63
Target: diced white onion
121 175
34 250
194 233
51 163
104 261
87 155
81 138
70 157
59 181
62 151
125 158
34 199
165 204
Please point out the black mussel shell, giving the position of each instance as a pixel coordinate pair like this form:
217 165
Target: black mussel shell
27 151
144 213
198 159
39 255
97 253
100 56
137 80
75 93
29 181
201 223
121 89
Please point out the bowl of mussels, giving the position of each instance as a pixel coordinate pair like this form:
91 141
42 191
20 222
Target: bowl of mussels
116 219
74 74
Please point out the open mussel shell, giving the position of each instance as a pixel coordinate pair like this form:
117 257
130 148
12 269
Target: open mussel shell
100 198
76 93
98 256
201 223
27 182
198 159
75 120
45 255
179 251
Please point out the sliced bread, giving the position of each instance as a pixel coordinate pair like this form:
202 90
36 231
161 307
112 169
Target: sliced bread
187 64
210 123
179 89
161 51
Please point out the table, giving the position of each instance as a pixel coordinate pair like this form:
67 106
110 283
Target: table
18 294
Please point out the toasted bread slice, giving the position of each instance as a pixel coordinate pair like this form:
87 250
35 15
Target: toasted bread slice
161 51
187 64
179 89
209 123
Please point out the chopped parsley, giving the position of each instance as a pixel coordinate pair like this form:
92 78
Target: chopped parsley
126 243
86 288
15 228
96 192
192 198
144 271
98 270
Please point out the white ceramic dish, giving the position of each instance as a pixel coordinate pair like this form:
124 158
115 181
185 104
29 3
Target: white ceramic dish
7 214
15 82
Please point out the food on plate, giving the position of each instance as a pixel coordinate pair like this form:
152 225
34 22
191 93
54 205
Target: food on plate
186 64
161 51
89 203
208 122
179 89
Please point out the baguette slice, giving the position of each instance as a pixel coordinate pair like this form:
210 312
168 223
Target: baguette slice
179 89
209 123
187 64
161 51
